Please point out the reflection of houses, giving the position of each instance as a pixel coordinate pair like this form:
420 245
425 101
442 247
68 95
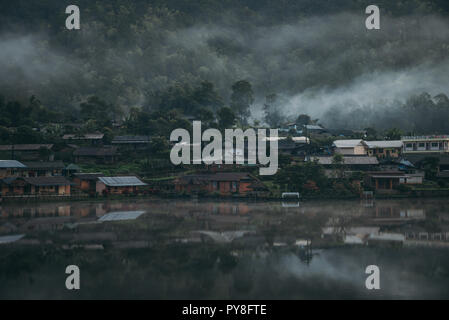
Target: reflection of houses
27 151
384 149
350 147
224 236
224 183
120 185
106 154
35 186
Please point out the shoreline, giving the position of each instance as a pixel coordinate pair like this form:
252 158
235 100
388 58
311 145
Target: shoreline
67 199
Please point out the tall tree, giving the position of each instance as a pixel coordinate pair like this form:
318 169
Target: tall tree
242 98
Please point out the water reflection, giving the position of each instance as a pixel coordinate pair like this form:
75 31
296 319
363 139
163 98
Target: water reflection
205 249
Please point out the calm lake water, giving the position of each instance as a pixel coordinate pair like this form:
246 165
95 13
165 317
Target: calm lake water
187 249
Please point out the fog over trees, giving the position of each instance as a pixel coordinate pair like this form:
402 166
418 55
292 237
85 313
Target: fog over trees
266 60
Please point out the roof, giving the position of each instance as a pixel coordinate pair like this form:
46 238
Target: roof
313 127
48 181
44 165
351 143
25 147
11 164
131 139
384 144
386 174
88 176
95 152
72 166
87 136
348 160
122 181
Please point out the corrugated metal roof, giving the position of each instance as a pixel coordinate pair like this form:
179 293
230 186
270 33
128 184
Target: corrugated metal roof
348 160
48 181
351 143
122 181
11 164
384 144
44 164
25 147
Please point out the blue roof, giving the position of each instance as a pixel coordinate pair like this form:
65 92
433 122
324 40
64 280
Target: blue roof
122 181
11 164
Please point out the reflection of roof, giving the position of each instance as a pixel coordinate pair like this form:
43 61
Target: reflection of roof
351 143
226 236
11 238
121 215
25 147
44 165
122 181
348 160
48 181
11 164
384 144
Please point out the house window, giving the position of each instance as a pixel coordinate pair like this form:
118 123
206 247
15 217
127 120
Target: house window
215 185
234 186
409 145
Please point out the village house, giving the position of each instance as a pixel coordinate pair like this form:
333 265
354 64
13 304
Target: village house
95 138
35 186
435 144
119 185
43 168
384 149
88 182
354 147
390 180
349 164
30 152
10 168
106 154
224 183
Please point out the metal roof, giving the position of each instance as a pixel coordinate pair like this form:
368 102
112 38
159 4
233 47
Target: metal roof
11 164
384 144
355 160
351 143
122 181
48 181
44 164
25 147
